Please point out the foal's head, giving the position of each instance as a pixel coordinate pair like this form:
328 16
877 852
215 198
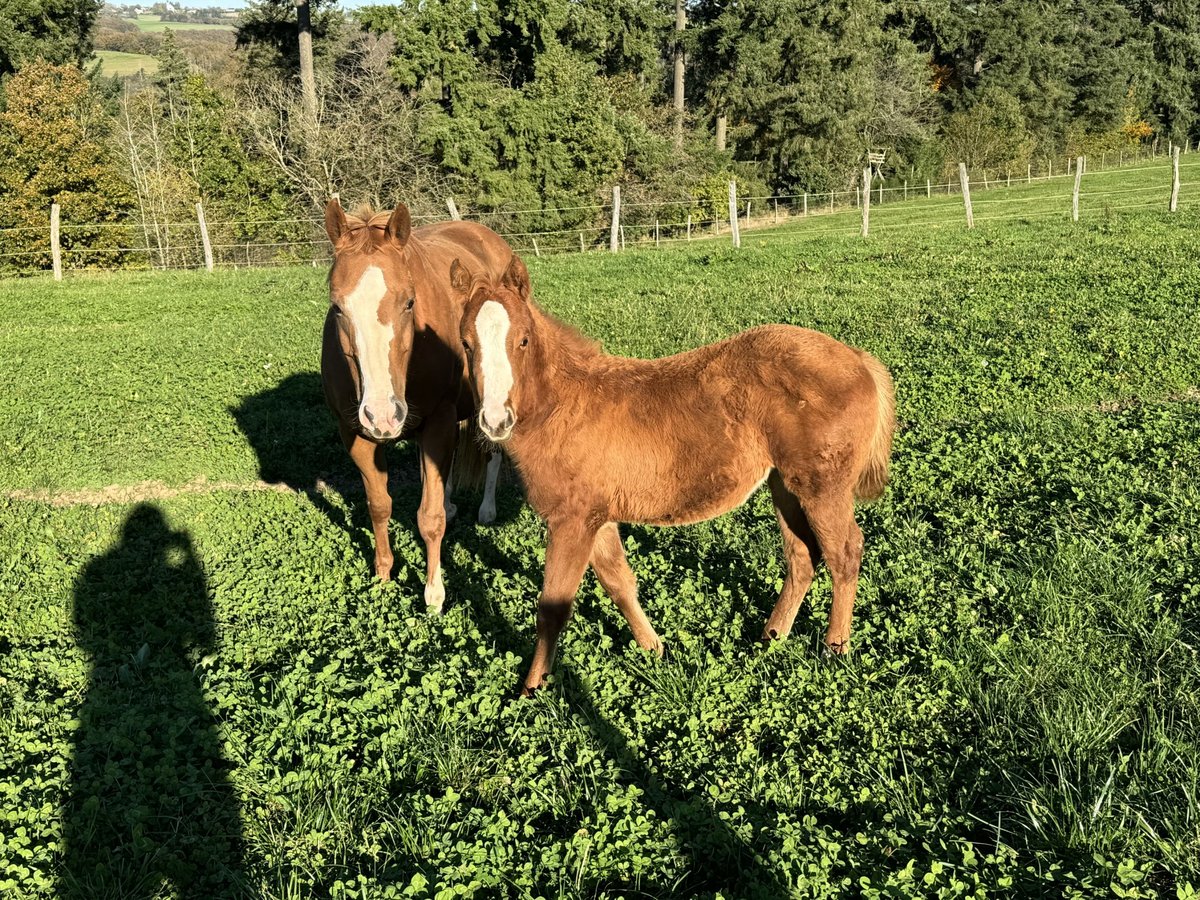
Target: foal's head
371 289
496 331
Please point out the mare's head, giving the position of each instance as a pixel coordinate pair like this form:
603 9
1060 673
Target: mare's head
372 293
497 331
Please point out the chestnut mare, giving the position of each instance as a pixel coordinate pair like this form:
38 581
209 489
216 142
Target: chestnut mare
600 440
392 365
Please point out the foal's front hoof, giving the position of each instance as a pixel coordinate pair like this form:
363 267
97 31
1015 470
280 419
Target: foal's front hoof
435 595
838 648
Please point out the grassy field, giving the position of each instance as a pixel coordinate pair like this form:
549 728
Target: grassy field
202 690
151 22
117 63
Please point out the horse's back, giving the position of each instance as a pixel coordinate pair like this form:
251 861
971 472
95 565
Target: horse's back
479 248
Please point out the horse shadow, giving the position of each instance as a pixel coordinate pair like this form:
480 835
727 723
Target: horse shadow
722 862
295 439
150 804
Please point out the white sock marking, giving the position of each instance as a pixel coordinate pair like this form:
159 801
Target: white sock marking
487 509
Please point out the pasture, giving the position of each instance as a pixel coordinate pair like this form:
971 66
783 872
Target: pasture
193 653
153 22
115 62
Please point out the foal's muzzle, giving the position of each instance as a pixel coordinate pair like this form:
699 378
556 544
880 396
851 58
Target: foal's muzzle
501 432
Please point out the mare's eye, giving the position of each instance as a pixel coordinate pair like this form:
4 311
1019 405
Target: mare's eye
524 342
409 304
466 346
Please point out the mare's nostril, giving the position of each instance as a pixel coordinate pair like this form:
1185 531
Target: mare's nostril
367 413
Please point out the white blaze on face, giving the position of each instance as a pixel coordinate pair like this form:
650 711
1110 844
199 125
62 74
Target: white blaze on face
492 327
372 339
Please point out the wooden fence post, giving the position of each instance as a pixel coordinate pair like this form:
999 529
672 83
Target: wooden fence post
1175 181
55 247
747 212
734 231
614 232
536 250
928 189
581 247
1075 195
966 191
208 258
450 205
806 203
689 227
622 237
906 189
656 243
776 210
831 201
866 210
1028 173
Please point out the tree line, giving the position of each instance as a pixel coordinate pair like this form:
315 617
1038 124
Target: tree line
542 105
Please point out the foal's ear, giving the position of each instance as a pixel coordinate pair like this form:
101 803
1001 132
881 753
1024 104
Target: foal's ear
399 224
516 276
460 278
335 220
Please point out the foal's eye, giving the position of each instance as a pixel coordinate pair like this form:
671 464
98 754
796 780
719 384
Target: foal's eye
409 304
466 346
524 342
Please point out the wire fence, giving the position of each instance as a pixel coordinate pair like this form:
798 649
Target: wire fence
138 243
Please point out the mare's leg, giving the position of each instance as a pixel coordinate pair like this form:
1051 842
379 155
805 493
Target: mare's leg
371 460
801 554
568 546
831 516
437 452
612 568
451 509
487 509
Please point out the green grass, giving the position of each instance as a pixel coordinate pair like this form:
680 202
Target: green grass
209 692
117 63
151 22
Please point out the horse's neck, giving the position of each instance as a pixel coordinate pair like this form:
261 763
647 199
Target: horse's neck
566 367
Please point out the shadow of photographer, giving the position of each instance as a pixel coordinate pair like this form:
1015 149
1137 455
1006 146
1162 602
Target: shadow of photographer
150 804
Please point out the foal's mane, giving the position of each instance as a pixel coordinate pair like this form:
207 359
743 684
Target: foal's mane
365 229
566 343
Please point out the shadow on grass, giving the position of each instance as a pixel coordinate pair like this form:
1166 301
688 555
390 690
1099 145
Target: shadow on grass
721 861
151 808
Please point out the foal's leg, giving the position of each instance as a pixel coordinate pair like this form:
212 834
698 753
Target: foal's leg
437 452
371 460
832 519
612 568
568 546
487 509
801 553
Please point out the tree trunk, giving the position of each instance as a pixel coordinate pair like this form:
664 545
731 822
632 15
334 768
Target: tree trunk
308 81
680 24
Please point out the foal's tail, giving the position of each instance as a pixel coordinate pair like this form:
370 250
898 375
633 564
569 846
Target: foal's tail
874 476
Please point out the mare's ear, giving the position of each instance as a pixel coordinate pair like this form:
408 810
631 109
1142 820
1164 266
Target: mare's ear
460 278
399 224
516 276
335 220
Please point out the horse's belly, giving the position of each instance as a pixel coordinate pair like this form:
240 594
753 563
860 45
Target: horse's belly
698 500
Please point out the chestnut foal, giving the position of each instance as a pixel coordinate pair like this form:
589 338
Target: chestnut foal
601 439
392 365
